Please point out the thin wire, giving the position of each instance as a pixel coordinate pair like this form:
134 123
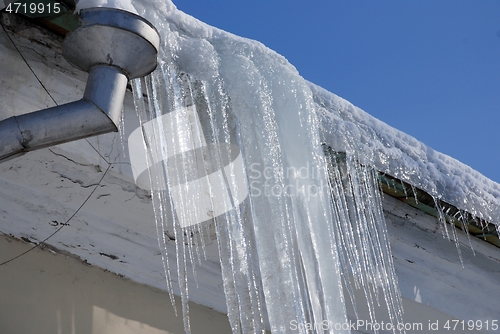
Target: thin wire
62 225
27 64
97 151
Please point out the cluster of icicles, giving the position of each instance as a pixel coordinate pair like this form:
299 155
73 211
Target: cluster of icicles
309 223
297 225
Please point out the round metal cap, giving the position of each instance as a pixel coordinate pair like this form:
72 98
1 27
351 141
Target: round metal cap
108 36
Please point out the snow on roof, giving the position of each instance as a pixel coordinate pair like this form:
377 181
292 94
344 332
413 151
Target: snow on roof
344 126
348 128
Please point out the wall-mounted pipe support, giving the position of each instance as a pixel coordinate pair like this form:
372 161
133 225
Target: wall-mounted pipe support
113 46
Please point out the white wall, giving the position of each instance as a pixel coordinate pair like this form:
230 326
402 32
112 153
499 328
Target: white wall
45 292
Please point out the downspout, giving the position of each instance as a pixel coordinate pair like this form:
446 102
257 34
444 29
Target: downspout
113 46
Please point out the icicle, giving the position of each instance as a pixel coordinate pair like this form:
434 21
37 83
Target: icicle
363 241
442 218
121 131
404 189
158 202
414 191
463 218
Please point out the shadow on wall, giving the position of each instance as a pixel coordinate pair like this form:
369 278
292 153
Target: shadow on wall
44 292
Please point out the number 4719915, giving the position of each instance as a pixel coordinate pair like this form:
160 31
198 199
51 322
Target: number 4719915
33 8
452 325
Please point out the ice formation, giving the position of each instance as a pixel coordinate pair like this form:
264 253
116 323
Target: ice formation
294 222
396 153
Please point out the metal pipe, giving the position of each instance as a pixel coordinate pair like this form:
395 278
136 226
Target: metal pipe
111 80
110 66
52 126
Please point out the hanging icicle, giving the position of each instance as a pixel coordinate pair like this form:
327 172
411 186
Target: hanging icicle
362 238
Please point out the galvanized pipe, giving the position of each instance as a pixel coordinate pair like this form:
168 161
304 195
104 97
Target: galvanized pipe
97 113
113 46
105 88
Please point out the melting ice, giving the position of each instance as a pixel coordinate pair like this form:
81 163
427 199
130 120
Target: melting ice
282 173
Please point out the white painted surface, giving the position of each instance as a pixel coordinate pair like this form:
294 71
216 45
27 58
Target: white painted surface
46 292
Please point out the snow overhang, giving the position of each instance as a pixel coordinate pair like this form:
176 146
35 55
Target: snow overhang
423 201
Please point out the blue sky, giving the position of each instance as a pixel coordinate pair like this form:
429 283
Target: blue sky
430 68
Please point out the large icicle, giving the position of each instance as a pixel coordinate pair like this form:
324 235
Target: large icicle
277 248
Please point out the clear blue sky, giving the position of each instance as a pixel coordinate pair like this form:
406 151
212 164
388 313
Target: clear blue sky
430 68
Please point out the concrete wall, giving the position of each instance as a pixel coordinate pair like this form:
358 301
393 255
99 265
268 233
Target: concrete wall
45 292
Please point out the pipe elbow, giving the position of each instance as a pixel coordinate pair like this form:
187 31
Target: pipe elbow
52 126
106 86
109 71
97 113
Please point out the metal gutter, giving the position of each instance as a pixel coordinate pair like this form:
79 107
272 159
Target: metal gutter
422 201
